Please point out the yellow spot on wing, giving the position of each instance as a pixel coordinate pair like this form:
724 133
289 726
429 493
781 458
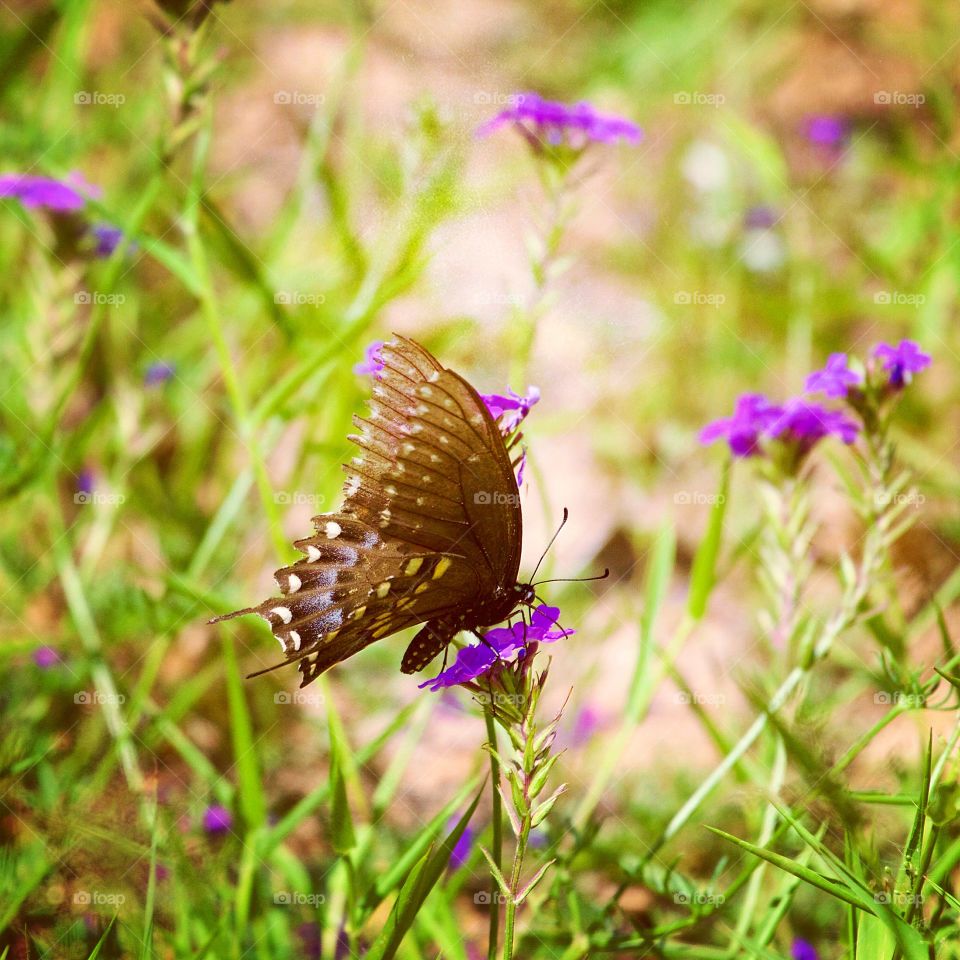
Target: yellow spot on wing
420 587
358 613
442 567
413 565
383 589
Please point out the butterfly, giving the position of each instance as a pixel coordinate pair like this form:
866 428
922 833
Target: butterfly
430 530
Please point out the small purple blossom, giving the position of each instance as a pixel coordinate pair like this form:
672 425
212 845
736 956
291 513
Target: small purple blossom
461 850
802 950
510 410
902 361
520 468
551 123
500 644
805 423
835 378
60 196
46 657
752 415
159 372
217 819
827 130
107 239
372 365
586 723
86 481
760 218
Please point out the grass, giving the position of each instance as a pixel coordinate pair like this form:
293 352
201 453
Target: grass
736 796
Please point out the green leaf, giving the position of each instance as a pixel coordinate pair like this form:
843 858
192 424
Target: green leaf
389 881
416 888
703 571
341 821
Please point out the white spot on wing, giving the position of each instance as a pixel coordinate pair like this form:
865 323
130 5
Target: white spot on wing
295 583
284 613
313 553
295 637
332 529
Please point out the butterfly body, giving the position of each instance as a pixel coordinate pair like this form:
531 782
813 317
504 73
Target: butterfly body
430 530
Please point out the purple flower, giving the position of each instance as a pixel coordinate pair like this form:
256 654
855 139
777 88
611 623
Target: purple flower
826 130
902 361
159 372
805 423
802 950
461 850
46 657
752 415
86 481
550 123
835 378
520 468
510 410
61 196
217 819
586 723
500 644
108 239
760 218
372 366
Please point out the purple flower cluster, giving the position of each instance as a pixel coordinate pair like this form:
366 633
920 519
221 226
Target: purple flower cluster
217 819
500 645
61 197
549 123
799 423
802 950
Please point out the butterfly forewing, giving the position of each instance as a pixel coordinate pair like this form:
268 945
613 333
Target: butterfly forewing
430 529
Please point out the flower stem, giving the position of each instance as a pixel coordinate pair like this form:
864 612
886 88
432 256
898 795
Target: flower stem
497 839
511 911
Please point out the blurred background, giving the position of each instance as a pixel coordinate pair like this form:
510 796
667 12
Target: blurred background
297 179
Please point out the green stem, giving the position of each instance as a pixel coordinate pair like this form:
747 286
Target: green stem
511 911
497 839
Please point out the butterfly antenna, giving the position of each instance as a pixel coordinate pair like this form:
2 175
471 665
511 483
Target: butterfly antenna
601 576
566 513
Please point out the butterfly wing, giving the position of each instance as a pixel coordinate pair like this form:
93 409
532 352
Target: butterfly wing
430 529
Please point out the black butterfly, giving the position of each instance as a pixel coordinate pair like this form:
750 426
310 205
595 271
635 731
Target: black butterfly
429 532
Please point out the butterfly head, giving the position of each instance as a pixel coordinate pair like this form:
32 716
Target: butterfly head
524 593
